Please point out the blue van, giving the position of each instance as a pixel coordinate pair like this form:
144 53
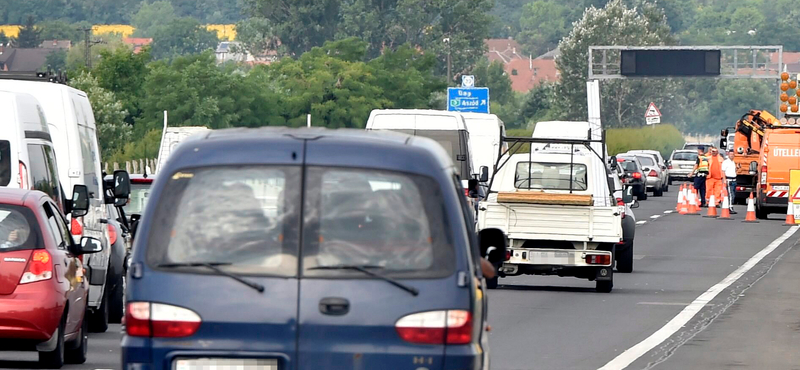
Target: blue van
307 249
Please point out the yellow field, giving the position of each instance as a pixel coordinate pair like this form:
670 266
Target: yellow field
224 31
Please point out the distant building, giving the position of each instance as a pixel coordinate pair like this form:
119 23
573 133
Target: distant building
234 51
23 60
503 50
56 44
525 74
137 43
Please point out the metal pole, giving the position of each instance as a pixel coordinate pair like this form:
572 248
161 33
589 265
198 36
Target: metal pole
308 120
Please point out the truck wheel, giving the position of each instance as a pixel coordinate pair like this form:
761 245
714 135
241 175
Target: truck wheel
625 259
492 283
761 213
604 286
98 319
669 182
116 302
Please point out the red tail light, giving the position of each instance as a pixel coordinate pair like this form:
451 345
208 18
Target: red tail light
653 173
621 204
637 175
436 327
466 192
156 320
595 259
23 176
112 234
75 227
763 177
508 254
40 267
670 167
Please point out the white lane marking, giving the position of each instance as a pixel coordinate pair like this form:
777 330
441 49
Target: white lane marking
664 303
638 256
632 354
641 222
655 216
668 212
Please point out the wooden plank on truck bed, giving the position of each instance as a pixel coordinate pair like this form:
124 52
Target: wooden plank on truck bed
529 197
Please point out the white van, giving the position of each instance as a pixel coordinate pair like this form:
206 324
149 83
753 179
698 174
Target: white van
486 133
72 128
27 157
447 128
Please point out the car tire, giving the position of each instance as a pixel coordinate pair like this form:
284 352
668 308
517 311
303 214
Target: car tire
55 358
78 354
604 286
492 283
98 319
658 192
666 187
761 213
625 260
117 302
669 182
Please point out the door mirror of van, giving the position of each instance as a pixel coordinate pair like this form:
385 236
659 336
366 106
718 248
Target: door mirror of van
724 133
122 184
80 201
627 196
723 143
472 188
484 177
753 168
493 245
89 245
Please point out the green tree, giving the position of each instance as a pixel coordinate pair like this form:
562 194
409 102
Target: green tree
300 24
182 36
407 78
495 78
123 72
28 35
257 35
59 30
76 58
622 101
538 105
112 131
3 38
56 60
151 16
543 24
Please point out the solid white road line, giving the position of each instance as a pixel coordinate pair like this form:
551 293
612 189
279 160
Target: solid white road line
668 212
664 303
655 216
641 222
632 354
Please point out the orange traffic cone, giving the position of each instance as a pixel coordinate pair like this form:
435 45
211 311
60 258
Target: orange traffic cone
684 202
726 206
790 214
693 206
751 210
712 207
681 198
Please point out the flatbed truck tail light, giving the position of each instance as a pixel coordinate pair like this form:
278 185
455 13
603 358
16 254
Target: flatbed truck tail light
436 327
157 320
621 204
508 255
39 268
598 259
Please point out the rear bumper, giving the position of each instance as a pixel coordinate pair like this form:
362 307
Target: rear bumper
555 257
29 316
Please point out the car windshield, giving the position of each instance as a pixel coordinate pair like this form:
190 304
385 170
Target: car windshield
17 229
138 199
684 156
390 220
5 162
246 217
630 166
646 160
550 176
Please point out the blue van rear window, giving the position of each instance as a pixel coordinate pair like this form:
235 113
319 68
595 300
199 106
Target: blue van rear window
247 217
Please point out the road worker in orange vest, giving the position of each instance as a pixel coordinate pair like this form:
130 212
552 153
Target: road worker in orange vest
716 177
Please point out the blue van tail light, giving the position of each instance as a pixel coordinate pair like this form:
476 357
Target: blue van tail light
157 320
436 327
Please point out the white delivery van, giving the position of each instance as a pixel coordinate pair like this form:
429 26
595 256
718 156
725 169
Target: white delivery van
27 156
486 133
72 128
447 128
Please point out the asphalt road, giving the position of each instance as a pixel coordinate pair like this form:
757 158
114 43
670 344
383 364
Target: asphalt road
562 323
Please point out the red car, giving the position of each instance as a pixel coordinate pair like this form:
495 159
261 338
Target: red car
43 291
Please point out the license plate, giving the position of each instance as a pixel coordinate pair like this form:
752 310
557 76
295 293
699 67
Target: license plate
549 258
225 364
782 187
687 166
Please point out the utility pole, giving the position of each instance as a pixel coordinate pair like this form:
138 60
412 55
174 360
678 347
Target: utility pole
449 77
87 45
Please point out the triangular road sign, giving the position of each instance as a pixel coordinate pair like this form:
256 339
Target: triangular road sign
796 194
652 111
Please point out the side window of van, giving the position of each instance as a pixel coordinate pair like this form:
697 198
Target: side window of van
89 155
57 226
5 162
41 176
50 162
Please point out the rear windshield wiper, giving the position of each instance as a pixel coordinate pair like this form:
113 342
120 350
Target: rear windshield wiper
213 266
365 270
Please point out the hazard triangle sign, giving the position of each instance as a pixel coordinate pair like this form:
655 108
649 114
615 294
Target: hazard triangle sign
796 195
652 115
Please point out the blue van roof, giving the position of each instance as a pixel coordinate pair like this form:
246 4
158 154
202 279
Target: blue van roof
329 147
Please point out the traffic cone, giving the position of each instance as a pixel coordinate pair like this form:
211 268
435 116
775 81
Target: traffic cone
712 208
789 214
681 198
693 208
751 210
684 202
726 206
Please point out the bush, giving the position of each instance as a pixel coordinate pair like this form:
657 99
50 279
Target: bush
664 138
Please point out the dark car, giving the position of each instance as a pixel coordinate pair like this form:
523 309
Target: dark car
297 249
634 176
43 292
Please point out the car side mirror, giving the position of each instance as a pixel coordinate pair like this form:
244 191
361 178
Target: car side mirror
627 196
89 245
484 174
472 188
724 132
80 201
753 168
122 184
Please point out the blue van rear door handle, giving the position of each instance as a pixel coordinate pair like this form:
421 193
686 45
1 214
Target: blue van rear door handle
334 306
